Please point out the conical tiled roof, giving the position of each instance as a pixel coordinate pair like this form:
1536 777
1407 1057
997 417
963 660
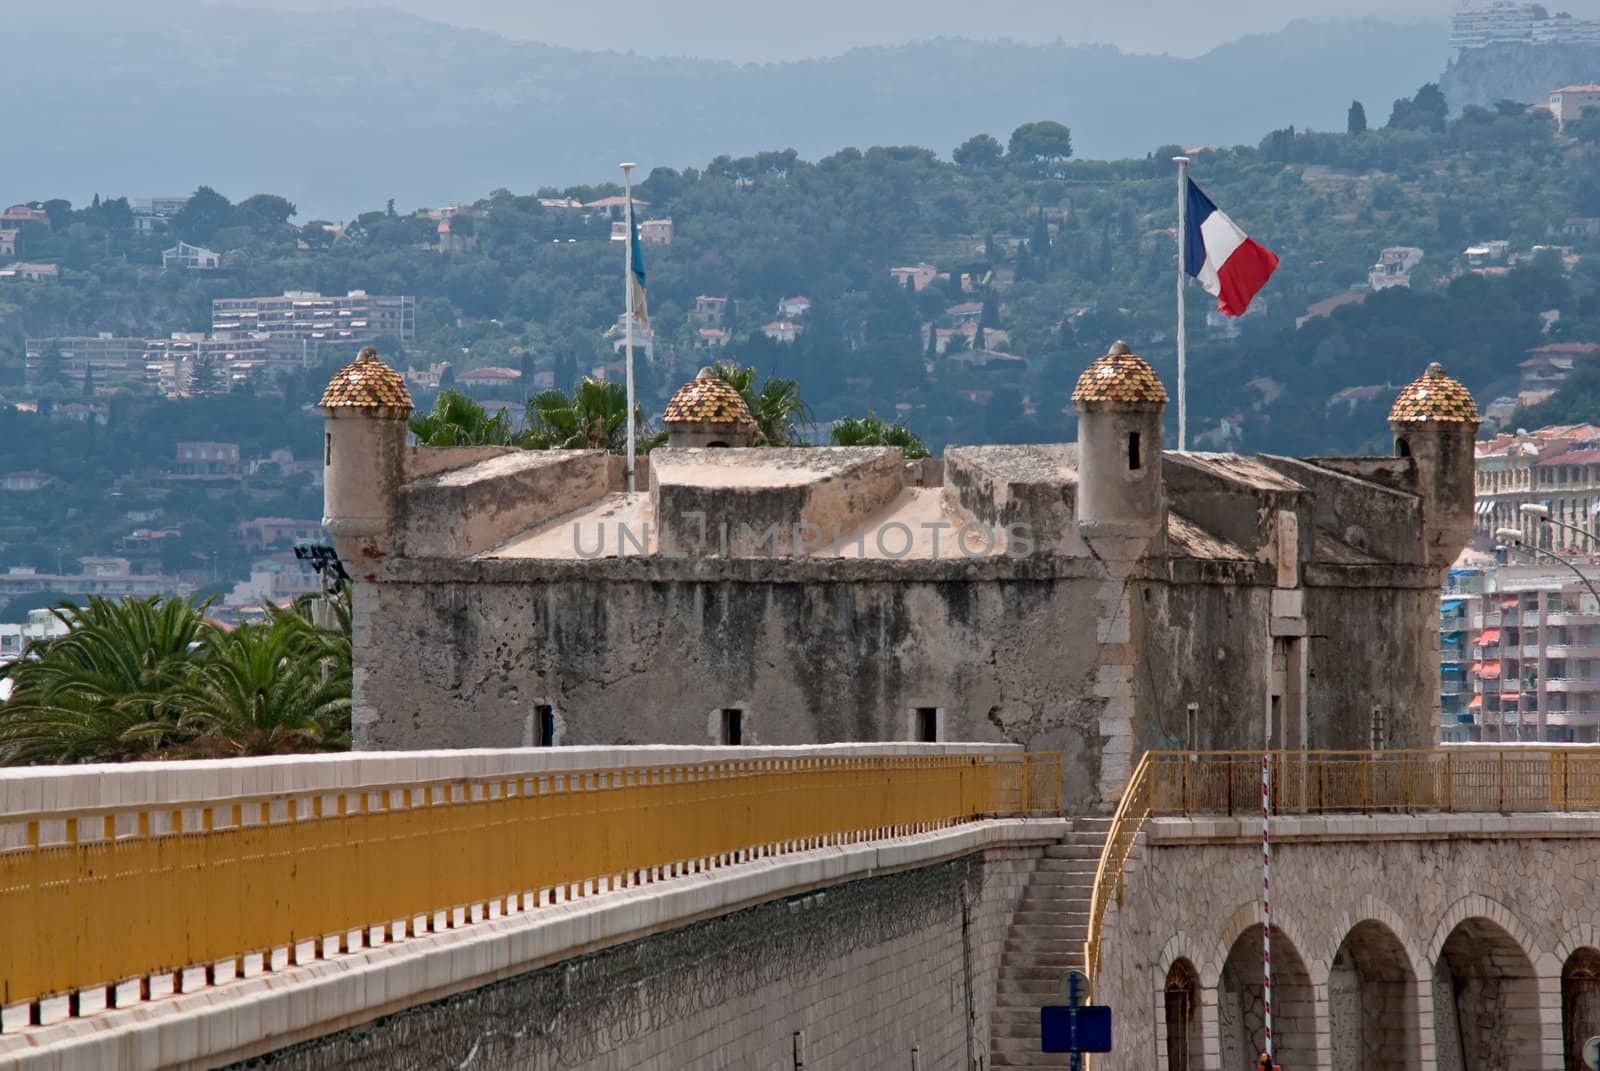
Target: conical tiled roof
708 399
1434 395
1120 376
367 383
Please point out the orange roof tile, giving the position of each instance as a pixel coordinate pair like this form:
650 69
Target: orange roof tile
367 383
1120 376
708 399
1434 396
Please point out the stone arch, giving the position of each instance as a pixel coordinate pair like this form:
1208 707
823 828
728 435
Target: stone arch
1240 1004
1372 1001
1485 997
1248 915
1478 905
1580 1003
1371 909
1181 1010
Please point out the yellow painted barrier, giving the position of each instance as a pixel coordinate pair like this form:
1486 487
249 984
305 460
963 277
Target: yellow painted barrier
94 898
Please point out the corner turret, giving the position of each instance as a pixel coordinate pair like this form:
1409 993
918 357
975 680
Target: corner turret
1435 421
1121 505
707 411
364 411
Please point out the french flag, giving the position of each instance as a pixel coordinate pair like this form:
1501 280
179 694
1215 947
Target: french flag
1228 264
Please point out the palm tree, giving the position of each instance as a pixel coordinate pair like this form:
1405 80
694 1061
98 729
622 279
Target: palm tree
871 430
777 408
457 420
264 689
593 417
101 691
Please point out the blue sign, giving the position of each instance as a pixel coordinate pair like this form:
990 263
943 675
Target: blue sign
1086 1028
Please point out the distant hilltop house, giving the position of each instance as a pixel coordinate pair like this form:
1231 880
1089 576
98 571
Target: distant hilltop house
1394 267
644 337
151 214
207 459
614 208
1482 253
651 231
451 240
25 481
710 311
489 377
710 338
917 276
17 215
8 243
1568 102
1547 367
794 308
32 273
782 331
192 257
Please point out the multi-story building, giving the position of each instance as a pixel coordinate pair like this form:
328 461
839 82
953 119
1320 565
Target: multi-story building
1394 267
194 257
152 214
1520 654
1569 103
1556 467
300 322
109 357
208 459
1503 22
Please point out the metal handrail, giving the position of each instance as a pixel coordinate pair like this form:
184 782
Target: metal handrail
1477 779
1130 817
96 897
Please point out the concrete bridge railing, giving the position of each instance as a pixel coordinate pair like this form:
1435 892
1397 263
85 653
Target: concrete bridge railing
121 884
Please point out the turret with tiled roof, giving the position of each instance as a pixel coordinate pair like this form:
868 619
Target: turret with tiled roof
1121 503
364 410
1434 396
708 411
1435 422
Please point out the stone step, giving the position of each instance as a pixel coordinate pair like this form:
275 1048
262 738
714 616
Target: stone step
1048 933
1073 851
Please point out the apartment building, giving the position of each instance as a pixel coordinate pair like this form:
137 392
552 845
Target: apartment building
1520 654
311 320
1556 467
1479 25
109 357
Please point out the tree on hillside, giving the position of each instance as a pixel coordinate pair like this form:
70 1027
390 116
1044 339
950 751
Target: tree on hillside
206 378
1044 145
980 150
263 210
1356 121
206 213
1427 111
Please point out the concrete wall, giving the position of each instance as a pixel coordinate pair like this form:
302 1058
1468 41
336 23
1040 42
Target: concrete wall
1428 941
857 976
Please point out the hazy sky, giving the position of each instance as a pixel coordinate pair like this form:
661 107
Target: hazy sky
755 30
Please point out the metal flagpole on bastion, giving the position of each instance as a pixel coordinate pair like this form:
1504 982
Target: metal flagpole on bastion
627 288
1183 380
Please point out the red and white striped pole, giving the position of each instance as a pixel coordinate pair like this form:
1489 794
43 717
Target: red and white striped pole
1266 907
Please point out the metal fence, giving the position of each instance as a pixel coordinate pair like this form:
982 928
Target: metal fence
92 899
1446 780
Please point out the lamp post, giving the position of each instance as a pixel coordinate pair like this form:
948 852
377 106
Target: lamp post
1513 537
1542 513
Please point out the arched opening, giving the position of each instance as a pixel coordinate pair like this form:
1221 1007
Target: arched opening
1580 1004
1402 448
1372 1011
1182 997
1485 1000
1241 1010
716 446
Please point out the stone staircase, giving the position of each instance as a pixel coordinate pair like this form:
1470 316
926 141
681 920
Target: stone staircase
1045 940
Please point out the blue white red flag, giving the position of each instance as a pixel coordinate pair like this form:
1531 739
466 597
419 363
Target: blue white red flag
1228 264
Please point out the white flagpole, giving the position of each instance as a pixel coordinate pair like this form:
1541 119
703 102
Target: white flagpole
627 286
1183 371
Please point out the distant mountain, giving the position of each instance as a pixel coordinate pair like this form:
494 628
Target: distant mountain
1523 73
339 111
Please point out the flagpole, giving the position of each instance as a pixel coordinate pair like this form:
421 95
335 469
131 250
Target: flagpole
627 287
1183 370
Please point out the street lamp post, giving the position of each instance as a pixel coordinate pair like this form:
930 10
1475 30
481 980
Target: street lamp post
1513 537
1542 513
